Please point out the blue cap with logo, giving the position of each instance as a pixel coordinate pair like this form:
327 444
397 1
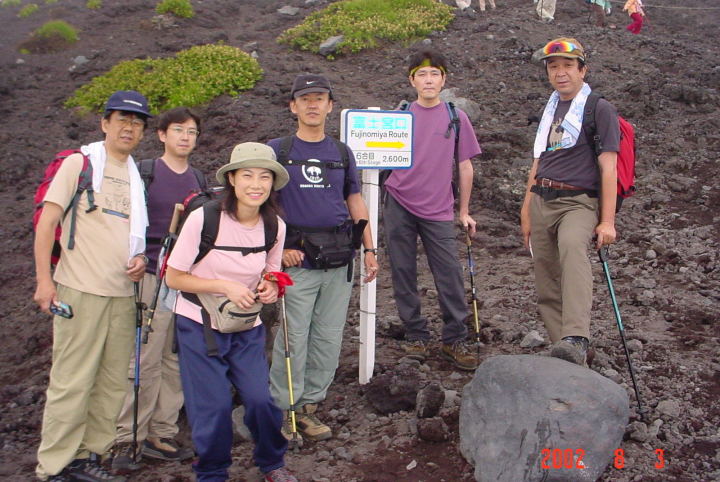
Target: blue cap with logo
310 83
128 101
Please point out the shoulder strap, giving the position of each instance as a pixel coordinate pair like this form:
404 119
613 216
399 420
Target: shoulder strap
271 232
202 182
84 185
146 167
344 155
588 123
284 151
210 229
455 125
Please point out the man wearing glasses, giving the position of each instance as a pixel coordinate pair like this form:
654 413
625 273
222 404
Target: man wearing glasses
168 180
570 197
93 340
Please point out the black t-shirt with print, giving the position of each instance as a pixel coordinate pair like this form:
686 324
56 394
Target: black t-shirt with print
577 165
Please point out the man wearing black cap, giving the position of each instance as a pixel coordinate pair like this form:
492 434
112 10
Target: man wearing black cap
570 197
322 194
92 346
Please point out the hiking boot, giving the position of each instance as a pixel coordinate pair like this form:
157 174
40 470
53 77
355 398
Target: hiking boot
61 477
462 354
310 426
416 349
166 449
90 470
122 458
287 430
280 475
572 349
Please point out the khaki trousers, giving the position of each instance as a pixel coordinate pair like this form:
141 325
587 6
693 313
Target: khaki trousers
160 397
87 379
561 230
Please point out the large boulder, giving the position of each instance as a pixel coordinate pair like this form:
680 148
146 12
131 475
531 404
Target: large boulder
522 413
470 107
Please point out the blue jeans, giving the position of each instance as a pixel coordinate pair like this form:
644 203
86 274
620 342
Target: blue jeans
206 383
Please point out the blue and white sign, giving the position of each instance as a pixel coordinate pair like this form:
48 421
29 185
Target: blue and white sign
380 139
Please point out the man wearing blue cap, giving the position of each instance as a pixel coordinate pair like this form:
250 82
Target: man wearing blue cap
93 338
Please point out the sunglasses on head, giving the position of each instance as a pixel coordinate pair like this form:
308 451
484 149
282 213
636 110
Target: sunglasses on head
561 47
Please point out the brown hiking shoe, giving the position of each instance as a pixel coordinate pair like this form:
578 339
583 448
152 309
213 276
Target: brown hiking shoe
416 349
310 426
287 432
572 349
462 354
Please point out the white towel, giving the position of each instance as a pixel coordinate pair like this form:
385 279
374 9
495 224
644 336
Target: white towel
138 210
572 123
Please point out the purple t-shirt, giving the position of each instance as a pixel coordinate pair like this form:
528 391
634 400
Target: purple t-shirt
316 197
167 189
577 165
426 188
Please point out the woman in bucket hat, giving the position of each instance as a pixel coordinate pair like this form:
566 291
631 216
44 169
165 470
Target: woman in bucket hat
248 205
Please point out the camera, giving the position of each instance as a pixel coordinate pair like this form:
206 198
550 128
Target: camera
61 309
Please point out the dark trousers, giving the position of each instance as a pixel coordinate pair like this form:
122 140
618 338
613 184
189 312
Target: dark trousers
208 400
402 229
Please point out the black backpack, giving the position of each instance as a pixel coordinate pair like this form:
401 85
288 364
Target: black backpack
211 206
146 167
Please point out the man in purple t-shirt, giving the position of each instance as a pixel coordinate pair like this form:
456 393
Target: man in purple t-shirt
420 202
322 195
562 211
169 181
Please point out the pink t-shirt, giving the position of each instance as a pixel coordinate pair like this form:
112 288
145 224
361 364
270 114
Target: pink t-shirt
224 265
426 188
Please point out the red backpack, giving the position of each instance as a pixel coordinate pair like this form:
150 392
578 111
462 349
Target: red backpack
84 184
626 155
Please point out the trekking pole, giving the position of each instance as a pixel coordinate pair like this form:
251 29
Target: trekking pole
603 253
471 268
283 279
161 268
136 383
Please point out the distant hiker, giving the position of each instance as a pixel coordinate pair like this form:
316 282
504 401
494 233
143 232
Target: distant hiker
570 198
326 218
213 361
91 350
420 202
545 10
169 180
636 11
482 4
600 8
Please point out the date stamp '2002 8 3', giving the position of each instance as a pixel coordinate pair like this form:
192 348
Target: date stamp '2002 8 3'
573 459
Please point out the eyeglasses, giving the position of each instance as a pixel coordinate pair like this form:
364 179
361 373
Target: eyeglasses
563 47
189 131
133 122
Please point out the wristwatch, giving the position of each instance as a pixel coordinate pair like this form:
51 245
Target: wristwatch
143 257
370 250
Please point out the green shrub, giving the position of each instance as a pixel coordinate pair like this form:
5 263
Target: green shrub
50 2
94 4
57 29
179 8
364 23
10 3
28 10
193 77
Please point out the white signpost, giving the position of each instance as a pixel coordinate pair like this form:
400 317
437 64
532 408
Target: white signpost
380 140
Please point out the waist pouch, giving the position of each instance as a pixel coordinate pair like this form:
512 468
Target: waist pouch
226 315
329 248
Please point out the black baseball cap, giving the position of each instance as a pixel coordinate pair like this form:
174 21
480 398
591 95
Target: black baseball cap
128 101
309 83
